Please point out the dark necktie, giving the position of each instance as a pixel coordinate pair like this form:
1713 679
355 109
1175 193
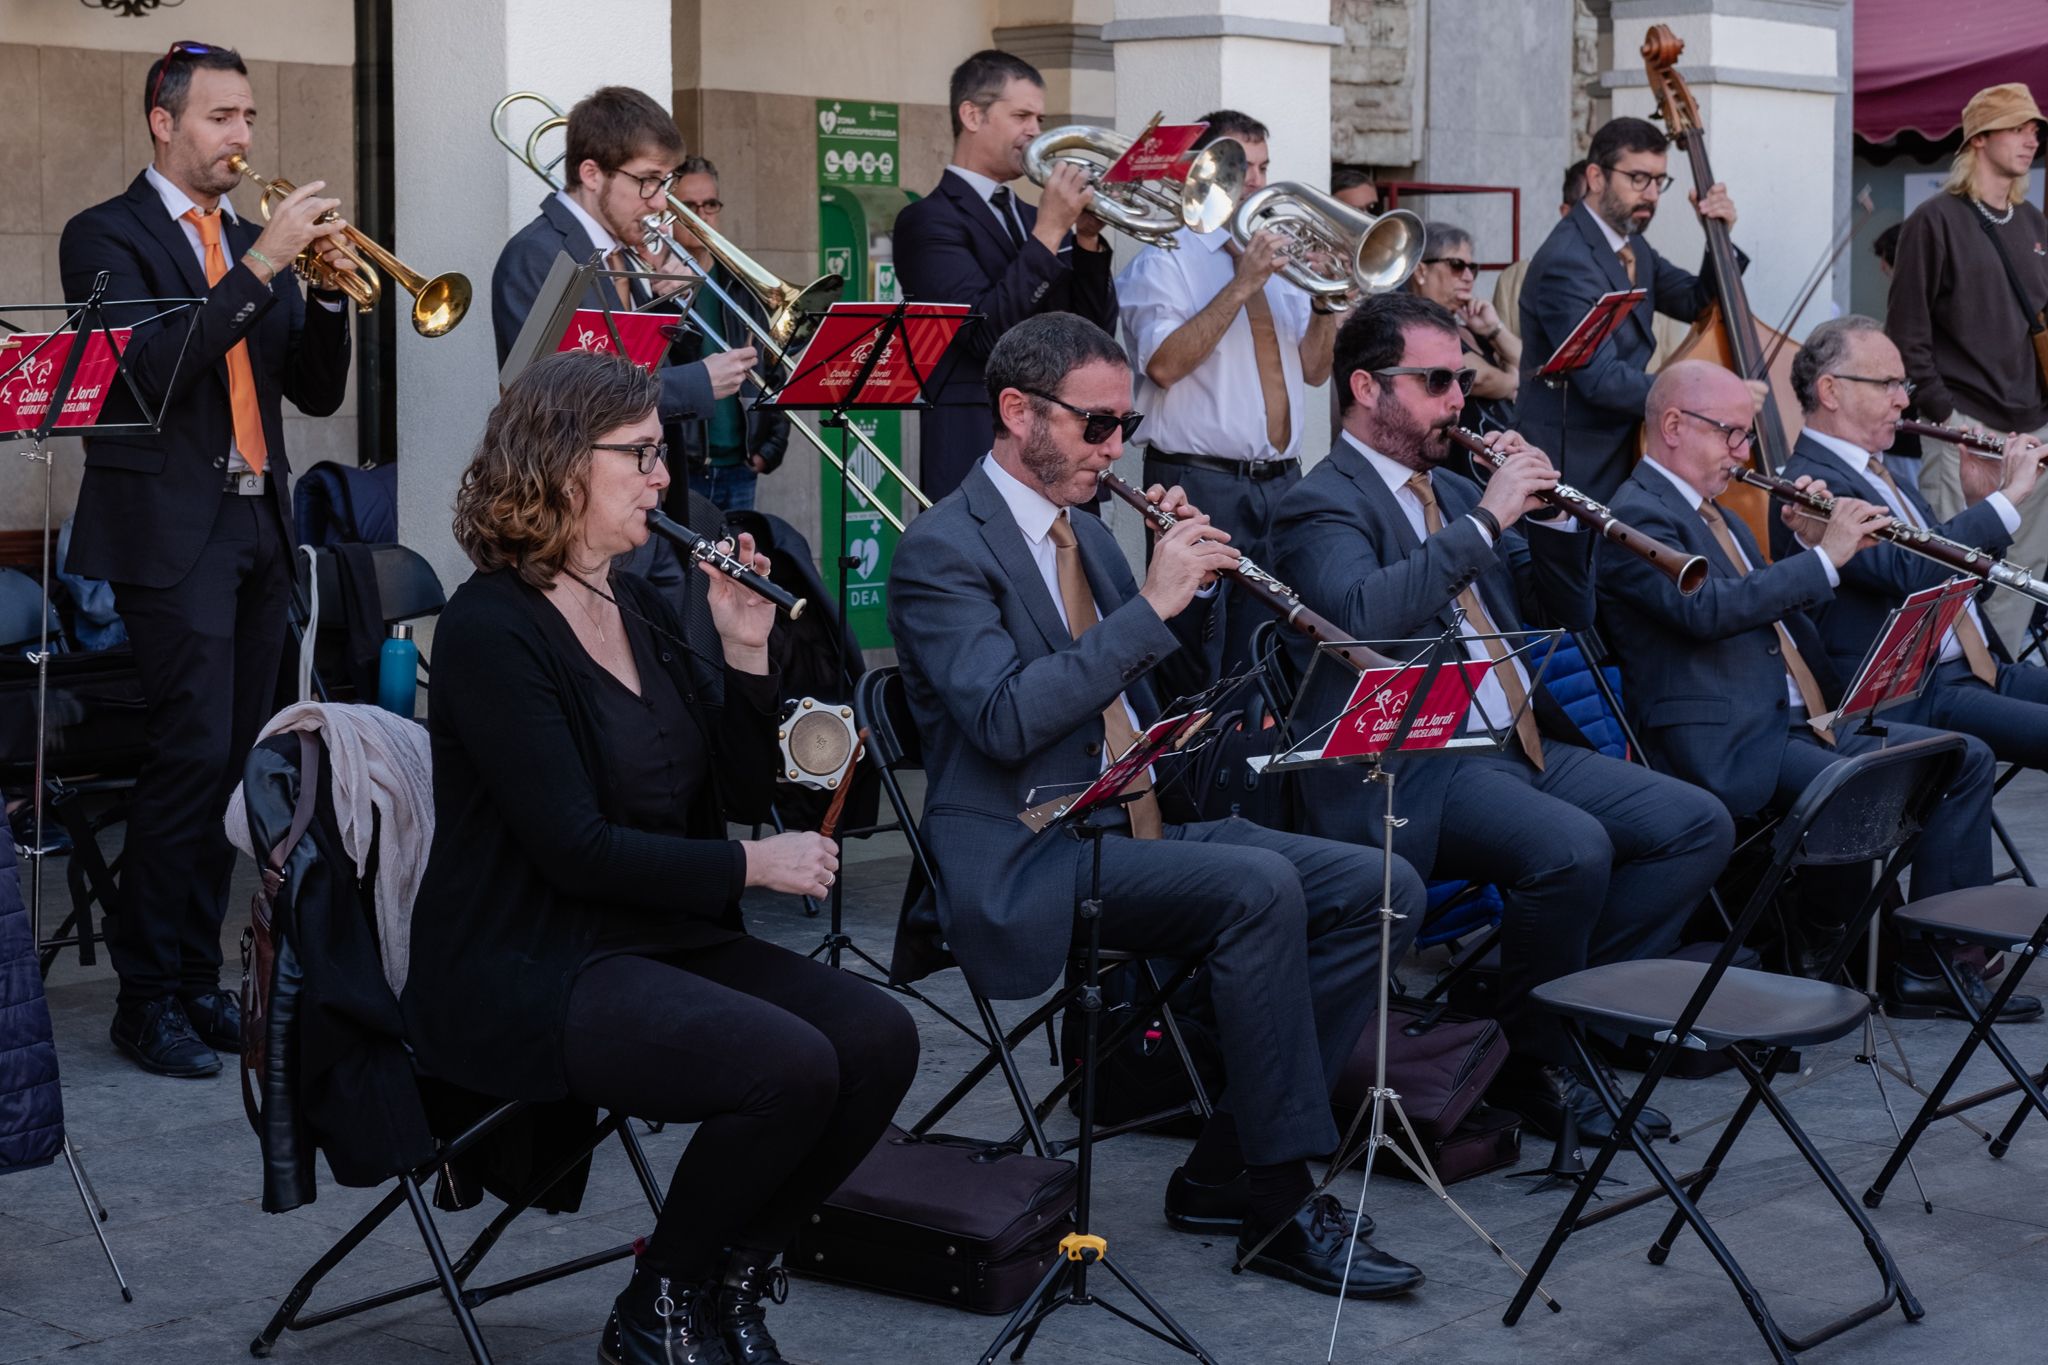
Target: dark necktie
1000 201
1795 662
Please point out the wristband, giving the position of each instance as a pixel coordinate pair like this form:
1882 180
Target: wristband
251 253
1488 523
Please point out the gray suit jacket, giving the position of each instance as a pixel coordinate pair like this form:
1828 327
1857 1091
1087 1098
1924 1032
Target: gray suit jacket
1879 578
1703 676
523 267
1006 700
1348 549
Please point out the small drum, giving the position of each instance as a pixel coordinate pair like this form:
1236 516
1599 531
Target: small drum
818 740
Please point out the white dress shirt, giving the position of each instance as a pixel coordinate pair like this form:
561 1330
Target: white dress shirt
1219 407
986 188
1858 459
1490 707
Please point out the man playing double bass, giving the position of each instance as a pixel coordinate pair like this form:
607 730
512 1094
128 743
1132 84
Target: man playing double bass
1596 249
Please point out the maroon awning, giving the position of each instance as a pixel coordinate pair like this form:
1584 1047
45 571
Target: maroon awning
1919 61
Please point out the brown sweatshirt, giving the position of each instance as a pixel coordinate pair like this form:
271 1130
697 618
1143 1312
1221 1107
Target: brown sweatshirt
1954 318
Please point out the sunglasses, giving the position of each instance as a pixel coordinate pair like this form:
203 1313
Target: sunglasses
1095 426
646 454
177 50
1458 265
1436 380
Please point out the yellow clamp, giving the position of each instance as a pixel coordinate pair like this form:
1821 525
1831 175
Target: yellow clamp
1083 1246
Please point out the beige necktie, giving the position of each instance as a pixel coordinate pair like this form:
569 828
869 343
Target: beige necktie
620 261
243 404
1116 721
1795 663
1975 651
1628 260
1475 613
1272 378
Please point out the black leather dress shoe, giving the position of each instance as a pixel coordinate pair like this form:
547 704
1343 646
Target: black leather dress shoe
1311 1247
217 1018
1192 1206
1542 1094
159 1037
1914 996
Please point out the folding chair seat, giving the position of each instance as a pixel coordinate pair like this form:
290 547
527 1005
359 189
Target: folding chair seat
1869 807
1999 918
882 709
271 788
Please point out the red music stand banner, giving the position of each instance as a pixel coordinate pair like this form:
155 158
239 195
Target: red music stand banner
30 363
644 336
1156 155
1608 312
827 373
1382 697
1904 651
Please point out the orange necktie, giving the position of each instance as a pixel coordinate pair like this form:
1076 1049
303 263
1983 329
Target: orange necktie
1795 662
1117 731
241 374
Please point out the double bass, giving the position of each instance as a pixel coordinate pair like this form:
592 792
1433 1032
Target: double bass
1726 332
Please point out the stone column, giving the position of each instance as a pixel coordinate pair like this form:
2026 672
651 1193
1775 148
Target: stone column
460 197
1063 39
1771 80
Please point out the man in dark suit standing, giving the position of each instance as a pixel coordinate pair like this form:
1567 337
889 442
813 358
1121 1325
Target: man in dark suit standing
622 154
1028 655
1722 684
192 527
1598 248
1597 860
972 241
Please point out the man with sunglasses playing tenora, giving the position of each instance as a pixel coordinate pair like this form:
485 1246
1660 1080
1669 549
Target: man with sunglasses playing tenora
1597 860
1598 248
1030 657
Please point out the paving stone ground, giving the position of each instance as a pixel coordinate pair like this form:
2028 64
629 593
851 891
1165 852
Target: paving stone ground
176 1166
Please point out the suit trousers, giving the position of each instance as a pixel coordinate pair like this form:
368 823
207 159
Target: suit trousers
1955 848
1941 481
208 649
1596 860
1244 508
2012 718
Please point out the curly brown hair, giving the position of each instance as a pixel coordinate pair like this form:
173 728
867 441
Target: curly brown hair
519 505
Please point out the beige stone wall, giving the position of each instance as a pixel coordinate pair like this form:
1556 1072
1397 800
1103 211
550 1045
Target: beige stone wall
73 138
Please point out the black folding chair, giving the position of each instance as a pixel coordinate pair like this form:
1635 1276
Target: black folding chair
2009 919
1869 807
270 789
881 707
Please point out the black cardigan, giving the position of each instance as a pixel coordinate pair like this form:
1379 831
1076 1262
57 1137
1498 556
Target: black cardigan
527 856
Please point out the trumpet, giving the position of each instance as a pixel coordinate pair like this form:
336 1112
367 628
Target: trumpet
1375 252
704 550
1201 199
437 304
779 299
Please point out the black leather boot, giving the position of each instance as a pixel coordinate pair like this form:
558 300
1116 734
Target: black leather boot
742 1321
661 1321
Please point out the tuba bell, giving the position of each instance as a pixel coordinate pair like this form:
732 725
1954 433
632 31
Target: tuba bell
1201 199
1374 252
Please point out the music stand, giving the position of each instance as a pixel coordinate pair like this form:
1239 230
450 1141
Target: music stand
63 385
561 319
1086 815
1576 351
1413 707
862 357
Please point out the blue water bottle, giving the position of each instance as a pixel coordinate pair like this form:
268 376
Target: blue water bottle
398 670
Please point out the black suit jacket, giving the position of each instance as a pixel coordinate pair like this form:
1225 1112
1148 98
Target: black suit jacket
1348 549
1592 436
147 503
1703 677
950 249
1879 578
523 267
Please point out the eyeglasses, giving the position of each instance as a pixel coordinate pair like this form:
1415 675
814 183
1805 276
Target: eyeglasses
1904 386
1095 426
1458 265
1436 380
1737 437
1642 180
646 454
650 185
701 207
182 48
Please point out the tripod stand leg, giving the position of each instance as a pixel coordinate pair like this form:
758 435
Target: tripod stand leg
96 1213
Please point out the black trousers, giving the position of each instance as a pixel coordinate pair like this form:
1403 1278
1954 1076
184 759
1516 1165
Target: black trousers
208 649
791 1071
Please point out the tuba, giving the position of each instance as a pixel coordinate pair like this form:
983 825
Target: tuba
1374 252
1201 199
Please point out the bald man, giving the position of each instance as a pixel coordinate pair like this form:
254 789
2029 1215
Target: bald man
1721 684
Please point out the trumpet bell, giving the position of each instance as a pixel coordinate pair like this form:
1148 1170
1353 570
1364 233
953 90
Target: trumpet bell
1151 211
1378 252
1214 184
440 304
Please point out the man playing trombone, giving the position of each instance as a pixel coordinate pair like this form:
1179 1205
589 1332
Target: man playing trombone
1225 349
623 154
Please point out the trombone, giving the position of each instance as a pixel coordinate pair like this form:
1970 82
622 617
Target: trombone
437 304
788 306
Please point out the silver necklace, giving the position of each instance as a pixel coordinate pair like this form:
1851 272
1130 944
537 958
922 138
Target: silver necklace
1989 217
589 612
